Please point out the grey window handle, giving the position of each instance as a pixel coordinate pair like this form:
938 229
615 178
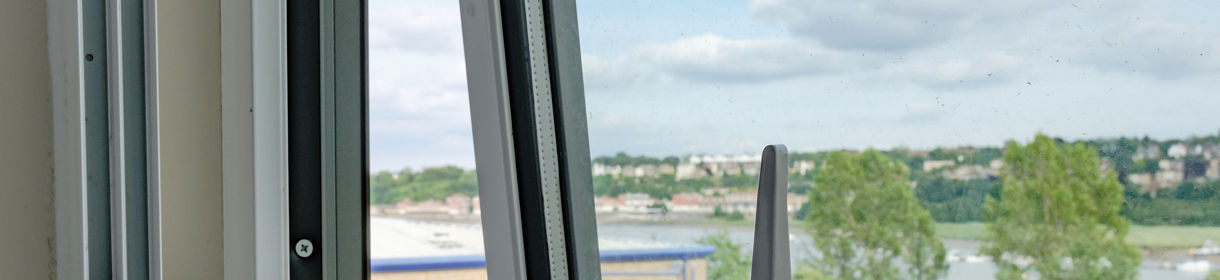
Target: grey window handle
770 258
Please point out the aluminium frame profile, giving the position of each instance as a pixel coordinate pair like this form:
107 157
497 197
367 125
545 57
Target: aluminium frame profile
327 131
75 90
531 143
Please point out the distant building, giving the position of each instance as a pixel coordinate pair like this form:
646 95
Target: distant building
996 163
1142 179
795 201
1171 173
730 168
1150 152
691 203
744 201
666 169
1177 150
612 170
1213 169
427 206
689 170
750 168
930 165
1106 164
1172 165
459 203
644 170
605 204
970 172
1167 178
802 166
635 202
1210 151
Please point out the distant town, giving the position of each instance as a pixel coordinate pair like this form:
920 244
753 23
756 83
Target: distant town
951 182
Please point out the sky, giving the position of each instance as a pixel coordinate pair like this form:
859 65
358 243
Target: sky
677 77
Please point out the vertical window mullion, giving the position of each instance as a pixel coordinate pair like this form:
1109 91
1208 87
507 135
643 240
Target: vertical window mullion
97 139
499 197
572 138
327 138
304 137
550 140
533 126
351 164
134 140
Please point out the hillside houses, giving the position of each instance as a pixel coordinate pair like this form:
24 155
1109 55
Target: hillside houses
1172 172
696 167
930 165
706 202
457 204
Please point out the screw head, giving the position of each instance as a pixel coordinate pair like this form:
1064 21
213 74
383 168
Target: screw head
304 248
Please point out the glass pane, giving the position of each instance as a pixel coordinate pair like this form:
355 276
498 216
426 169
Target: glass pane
424 194
946 139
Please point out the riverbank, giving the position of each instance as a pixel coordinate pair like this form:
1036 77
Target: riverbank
1145 237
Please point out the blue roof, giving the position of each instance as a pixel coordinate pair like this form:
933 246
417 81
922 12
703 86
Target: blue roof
478 261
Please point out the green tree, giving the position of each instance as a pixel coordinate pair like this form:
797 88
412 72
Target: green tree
381 188
1058 214
728 262
809 273
864 217
1213 276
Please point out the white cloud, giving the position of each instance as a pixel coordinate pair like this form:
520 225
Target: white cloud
882 25
716 59
964 71
419 108
1157 47
922 113
427 26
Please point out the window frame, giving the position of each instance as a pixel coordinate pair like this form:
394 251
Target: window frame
103 57
527 107
530 138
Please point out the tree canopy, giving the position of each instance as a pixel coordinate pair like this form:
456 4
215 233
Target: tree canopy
728 262
864 217
429 183
1058 215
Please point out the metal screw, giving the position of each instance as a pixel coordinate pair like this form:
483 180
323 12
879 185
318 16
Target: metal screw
304 248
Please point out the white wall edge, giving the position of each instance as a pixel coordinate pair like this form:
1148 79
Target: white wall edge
254 127
65 44
237 138
270 139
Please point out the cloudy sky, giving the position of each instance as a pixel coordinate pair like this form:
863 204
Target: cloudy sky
674 77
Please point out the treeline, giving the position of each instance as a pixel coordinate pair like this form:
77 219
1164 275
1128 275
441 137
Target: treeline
955 201
622 159
1191 203
428 183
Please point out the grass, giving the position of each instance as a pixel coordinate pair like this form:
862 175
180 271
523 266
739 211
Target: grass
1167 237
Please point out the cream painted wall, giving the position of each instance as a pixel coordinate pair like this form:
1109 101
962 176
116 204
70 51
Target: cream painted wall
189 46
27 239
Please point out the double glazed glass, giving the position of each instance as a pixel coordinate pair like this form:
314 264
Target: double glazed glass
955 139
424 200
